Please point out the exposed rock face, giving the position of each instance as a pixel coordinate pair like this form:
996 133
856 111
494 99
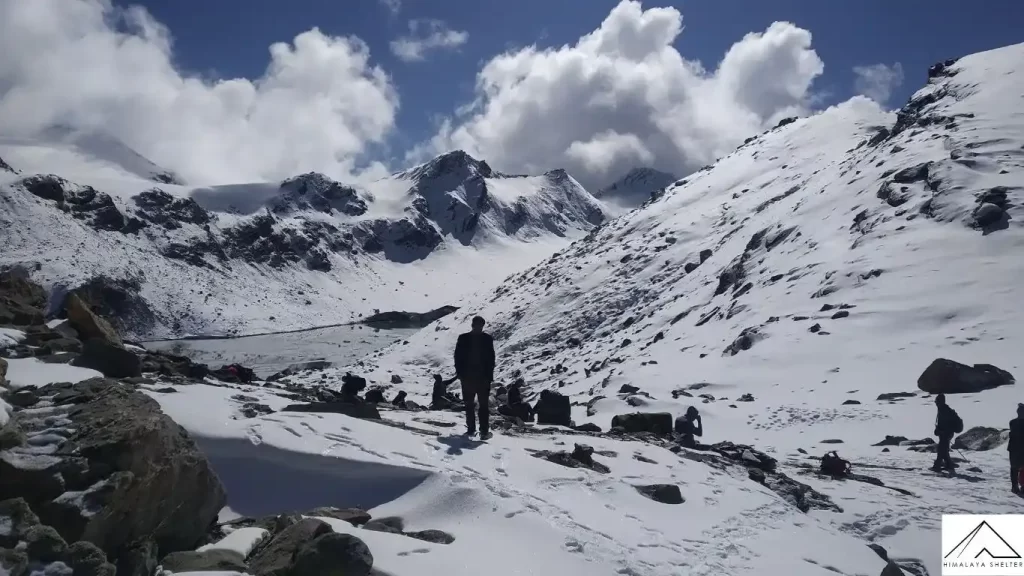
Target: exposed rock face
393 320
276 558
89 325
318 192
353 409
948 377
21 301
553 408
109 359
121 471
664 493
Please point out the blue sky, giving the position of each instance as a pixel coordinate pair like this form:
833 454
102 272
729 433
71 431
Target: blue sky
230 37
238 90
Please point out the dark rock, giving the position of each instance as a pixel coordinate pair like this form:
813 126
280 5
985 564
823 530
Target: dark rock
140 559
981 438
892 569
745 341
252 409
13 562
895 396
745 455
353 516
161 485
434 536
746 398
840 314
109 359
300 367
948 377
918 173
58 358
44 544
216 560
276 558
22 302
832 441
664 493
553 408
582 456
653 422
87 324
19 519
85 559
392 320
816 328
396 379
588 427
391 525
333 554
628 389
756 474
22 398
58 345
988 214
361 410
45 186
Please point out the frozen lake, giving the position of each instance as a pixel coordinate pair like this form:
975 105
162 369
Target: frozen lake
271 353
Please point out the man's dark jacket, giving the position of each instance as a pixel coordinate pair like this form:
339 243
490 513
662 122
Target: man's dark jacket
945 422
1016 445
474 356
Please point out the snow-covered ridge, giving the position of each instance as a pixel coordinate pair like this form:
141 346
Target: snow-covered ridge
273 256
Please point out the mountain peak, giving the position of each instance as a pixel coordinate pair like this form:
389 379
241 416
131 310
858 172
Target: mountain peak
635 187
455 163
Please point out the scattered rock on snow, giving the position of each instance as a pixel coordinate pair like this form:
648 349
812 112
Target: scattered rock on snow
653 422
553 408
664 493
333 554
361 410
948 377
890 396
981 438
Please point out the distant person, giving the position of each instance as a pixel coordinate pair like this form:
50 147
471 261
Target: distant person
474 365
440 399
1016 449
375 396
688 426
351 386
514 405
399 400
947 425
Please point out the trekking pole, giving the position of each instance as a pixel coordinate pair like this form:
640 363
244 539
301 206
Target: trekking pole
962 456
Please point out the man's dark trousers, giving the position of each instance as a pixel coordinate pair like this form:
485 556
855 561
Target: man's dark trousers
478 391
943 459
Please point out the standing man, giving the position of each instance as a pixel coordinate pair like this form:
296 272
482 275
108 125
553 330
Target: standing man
1016 448
474 365
947 425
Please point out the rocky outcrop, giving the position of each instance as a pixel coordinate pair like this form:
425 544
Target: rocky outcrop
582 456
21 301
87 324
110 360
653 422
948 377
392 320
28 546
981 438
362 410
553 408
664 493
108 467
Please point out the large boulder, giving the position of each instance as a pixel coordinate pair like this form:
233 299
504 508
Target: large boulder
124 473
553 408
664 493
21 300
218 560
276 558
333 554
109 359
653 422
364 410
948 377
87 324
981 438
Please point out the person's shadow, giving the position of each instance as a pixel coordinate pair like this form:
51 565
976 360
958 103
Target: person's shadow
459 442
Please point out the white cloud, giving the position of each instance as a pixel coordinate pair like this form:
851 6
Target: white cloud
84 63
427 35
622 96
393 6
878 81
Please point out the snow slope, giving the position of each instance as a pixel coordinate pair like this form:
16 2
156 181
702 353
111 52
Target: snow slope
830 259
262 257
635 188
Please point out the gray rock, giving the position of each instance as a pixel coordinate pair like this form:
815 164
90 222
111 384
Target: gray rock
11 435
948 377
354 516
138 560
85 559
333 554
664 493
15 562
892 569
21 518
44 544
276 558
209 560
140 474
391 525
362 410
109 359
3 371
653 422
434 536
981 438
88 324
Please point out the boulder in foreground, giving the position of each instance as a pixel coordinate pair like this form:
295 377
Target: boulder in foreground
948 377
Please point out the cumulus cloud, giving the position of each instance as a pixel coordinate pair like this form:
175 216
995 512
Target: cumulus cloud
320 104
623 96
427 35
878 81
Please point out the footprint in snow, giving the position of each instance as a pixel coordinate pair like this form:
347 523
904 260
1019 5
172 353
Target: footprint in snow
416 551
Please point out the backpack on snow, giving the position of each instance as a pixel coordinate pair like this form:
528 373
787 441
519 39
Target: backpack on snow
834 466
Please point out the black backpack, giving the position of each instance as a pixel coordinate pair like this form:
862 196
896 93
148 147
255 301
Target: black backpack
834 466
958 422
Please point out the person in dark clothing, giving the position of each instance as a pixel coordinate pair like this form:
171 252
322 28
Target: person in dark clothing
440 399
351 386
947 423
1016 448
514 405
474 365
688 426
399 400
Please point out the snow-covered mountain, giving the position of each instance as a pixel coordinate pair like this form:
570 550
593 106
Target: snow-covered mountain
635 188
820 265
273 256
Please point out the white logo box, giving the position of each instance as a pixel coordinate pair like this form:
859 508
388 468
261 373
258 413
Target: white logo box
983 544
